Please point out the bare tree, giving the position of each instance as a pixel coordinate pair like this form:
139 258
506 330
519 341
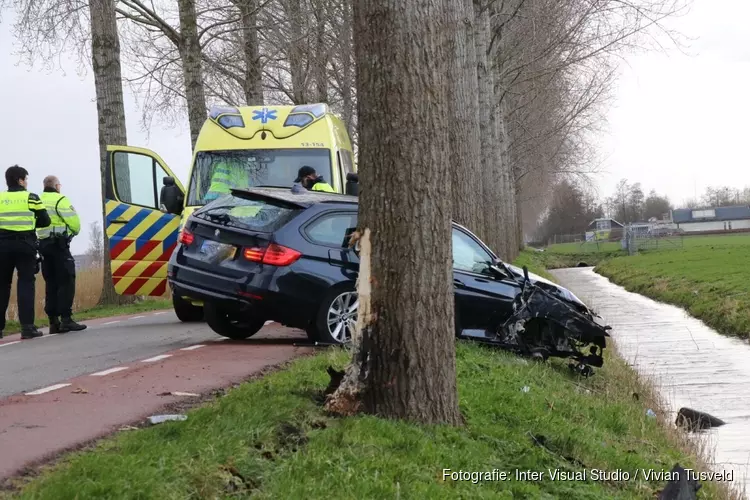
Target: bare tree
95 251
405 364
110 107
150 31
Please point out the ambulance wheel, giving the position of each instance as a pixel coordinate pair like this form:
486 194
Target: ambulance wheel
232 326
185 311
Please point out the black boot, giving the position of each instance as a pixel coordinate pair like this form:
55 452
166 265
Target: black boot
69 325
55 326
30 332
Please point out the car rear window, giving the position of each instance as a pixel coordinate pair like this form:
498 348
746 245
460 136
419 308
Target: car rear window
265 215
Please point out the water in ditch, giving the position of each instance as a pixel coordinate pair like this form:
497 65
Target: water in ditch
690 364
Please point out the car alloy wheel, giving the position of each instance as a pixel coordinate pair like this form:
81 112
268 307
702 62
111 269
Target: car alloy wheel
342 316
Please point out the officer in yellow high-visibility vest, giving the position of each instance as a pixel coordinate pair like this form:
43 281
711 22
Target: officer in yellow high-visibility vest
308 177
226 175
58 264
21 213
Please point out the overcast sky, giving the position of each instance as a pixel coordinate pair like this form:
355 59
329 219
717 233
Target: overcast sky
677 122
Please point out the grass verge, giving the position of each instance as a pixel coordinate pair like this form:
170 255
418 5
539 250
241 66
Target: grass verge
707 277
270 438
287 447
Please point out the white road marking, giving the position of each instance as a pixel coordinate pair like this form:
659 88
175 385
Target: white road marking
47 389
10 343
111 370
137 317
48 335
193 347
112 322
156 358
185 394
160 312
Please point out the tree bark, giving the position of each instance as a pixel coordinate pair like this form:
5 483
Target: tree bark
190 54
463 105
404 366
253 81
493 187
110 107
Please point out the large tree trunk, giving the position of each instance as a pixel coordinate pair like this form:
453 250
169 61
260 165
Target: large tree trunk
190 54
253 81
463 105
508 200
492 186
404 366
110 107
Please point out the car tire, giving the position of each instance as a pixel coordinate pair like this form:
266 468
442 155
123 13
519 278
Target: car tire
342 296
185 311
225 325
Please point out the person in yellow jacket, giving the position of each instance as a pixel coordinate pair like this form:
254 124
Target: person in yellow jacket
226 176
308 177
21 213
58 264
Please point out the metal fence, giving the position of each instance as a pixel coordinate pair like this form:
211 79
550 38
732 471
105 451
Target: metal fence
627 240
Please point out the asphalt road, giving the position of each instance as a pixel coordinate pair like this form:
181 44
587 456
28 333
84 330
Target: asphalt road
31 364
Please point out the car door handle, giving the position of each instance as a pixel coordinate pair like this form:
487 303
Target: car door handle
119 221
458 283
481 280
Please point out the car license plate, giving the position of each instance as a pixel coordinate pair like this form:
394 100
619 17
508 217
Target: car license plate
217 252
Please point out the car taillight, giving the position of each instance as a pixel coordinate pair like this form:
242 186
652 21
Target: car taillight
273 255
186 237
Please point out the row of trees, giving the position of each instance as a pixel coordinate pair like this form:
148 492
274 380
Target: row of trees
471 110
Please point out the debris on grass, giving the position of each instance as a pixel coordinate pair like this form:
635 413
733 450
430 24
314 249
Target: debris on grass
158 419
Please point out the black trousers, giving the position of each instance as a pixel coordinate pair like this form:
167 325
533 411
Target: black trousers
19 255
59 271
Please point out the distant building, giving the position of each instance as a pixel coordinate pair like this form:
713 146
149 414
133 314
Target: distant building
712 220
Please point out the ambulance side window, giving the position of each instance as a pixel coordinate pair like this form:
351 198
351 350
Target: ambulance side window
136 178
347 162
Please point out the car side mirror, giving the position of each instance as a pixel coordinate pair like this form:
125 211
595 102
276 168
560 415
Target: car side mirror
347 240
171 198
352 184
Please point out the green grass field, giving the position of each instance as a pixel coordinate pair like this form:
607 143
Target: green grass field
270 438
709 277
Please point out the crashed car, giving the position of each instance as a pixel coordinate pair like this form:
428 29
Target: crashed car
263 254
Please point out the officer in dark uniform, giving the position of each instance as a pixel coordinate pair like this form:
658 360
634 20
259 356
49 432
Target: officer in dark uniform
58 265
21 213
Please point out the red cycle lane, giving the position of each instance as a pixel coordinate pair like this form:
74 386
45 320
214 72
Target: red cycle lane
41 424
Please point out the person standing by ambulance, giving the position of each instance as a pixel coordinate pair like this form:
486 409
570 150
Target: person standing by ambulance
21 213
58 264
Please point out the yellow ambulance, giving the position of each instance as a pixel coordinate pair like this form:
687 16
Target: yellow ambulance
146 204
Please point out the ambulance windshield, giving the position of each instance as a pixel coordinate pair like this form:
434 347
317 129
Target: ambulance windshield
216 172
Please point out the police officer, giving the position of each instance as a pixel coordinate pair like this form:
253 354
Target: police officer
58 265
21 213
312 181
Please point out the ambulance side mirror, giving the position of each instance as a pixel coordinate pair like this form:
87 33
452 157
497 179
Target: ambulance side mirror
352 184
171 198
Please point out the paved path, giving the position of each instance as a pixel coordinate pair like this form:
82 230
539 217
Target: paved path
59 391
689 363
